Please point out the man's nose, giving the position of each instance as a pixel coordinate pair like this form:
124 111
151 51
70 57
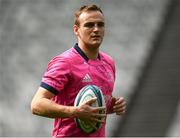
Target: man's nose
96 27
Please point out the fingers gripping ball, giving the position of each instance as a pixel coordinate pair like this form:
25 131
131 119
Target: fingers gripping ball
85 94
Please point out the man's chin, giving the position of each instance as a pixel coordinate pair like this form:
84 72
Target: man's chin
95 44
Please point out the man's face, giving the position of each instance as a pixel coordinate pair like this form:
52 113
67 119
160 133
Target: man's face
91 29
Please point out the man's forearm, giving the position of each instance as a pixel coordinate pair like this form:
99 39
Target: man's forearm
48 108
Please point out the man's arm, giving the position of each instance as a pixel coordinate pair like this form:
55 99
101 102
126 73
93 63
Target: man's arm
43 105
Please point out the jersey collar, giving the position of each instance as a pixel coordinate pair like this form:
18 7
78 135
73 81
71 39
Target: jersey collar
78 49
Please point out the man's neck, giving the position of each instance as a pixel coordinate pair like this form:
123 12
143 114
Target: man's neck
91 52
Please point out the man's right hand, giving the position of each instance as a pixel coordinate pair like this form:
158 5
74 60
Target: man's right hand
89 114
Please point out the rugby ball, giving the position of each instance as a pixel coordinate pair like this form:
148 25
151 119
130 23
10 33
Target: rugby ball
86 93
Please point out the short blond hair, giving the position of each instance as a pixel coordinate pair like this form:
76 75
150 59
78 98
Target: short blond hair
85 8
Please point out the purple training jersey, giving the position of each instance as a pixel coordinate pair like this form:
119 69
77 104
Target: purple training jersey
66 74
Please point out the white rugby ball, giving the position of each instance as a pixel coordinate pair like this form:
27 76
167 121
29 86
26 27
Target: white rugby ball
86 93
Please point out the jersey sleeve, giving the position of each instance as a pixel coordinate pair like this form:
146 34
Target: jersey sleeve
56 75
114 69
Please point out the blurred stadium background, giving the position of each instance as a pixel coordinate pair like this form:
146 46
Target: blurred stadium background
141 35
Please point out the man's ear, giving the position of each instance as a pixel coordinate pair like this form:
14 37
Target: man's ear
75 29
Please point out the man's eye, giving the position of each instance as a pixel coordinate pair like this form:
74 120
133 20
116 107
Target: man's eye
89 25
101 24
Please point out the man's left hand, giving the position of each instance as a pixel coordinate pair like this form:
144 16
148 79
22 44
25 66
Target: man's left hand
120 106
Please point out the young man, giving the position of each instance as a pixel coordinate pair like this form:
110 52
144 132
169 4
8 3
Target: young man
67 73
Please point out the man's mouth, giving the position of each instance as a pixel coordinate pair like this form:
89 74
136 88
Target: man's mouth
96 36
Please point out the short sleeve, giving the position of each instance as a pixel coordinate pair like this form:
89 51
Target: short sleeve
56 75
